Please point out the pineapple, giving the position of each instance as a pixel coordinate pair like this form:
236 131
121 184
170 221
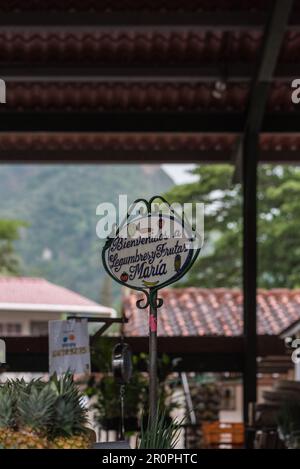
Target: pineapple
71 442
69 420
6 415
41 415
35 410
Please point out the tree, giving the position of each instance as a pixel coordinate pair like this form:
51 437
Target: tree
106 296
278 195
9 261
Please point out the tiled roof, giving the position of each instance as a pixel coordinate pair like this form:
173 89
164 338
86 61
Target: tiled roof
113 141
216 311
119 5
142 141
37 291
129 49
113 64
135 46
139 97
129 96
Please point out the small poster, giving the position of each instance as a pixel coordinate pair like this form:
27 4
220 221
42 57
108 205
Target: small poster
69 348
2 352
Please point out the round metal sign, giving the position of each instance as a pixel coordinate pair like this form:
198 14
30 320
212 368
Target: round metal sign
149 251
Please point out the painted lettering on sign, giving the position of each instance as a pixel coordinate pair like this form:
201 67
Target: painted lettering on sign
149 251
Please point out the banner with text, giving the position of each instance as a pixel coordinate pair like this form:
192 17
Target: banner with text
69 348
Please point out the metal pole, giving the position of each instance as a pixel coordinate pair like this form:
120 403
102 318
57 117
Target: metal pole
122 429
250 267
188 398
153 361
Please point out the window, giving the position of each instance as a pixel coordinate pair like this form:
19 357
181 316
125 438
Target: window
39 328
228 399
10 328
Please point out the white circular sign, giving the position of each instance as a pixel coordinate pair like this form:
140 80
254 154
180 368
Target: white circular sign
149 251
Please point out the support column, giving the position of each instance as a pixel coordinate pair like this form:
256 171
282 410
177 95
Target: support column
249 173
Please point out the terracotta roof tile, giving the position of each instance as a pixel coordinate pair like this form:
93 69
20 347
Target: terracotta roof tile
198 47
148 141
139 97
127 96
200 311
189 46
120 5
135 46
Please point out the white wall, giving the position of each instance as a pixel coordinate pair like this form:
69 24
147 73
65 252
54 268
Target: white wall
237 414
25 318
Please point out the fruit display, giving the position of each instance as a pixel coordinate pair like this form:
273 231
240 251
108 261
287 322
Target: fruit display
276 401
277 418
206 399
40 415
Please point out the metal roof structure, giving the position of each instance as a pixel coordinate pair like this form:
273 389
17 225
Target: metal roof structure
176 76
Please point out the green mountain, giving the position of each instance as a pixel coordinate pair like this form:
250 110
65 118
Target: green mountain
59 203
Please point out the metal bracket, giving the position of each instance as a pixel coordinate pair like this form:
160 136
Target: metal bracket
107 323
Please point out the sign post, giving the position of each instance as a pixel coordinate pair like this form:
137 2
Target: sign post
153 361
150 250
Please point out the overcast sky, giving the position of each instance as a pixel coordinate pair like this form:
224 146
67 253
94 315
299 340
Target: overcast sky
179 172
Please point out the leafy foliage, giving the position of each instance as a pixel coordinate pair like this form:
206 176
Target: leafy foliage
9 232
69 415
289 417
161 434
35 408
278 197
59 203
53 408
107 390
6 409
